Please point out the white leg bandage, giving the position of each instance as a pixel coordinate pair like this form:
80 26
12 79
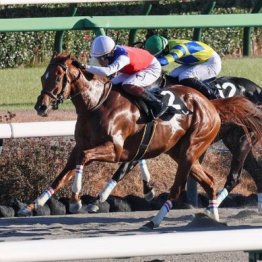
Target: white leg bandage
106 191
144 170
221 196
77 184
212 210
42 199
162 213
259 202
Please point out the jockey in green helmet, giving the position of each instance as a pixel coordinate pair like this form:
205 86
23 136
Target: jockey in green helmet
199 62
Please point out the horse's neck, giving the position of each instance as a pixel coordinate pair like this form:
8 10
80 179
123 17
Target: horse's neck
88 95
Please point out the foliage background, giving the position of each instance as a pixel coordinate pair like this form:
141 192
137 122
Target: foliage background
33 48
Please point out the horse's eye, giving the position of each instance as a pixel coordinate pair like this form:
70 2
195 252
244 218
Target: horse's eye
58 78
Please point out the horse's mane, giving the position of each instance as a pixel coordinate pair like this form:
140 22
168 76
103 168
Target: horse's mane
62 57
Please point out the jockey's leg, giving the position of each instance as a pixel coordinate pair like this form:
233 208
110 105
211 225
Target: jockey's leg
194 75
202 87
156 104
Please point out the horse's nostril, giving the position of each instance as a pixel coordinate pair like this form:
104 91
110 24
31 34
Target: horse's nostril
41 108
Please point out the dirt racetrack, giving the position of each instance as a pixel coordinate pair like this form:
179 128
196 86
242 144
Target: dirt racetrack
130 223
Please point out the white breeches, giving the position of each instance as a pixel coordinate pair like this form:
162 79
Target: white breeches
143 78
209 69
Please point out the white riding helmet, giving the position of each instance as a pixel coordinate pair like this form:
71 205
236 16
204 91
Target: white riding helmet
102 45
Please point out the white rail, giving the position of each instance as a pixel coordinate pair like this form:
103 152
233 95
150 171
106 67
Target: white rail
37 129
20 2
130 246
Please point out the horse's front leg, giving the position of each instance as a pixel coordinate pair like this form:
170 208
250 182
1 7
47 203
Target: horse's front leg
121 172
67 173
149 192
75 203
104 152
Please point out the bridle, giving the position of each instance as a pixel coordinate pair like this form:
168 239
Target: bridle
60 97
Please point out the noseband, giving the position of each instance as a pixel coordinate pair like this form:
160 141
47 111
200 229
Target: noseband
59 98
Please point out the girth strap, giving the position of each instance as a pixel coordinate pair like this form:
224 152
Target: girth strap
149 131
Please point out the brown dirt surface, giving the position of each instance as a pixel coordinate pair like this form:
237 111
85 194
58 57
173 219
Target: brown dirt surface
31 116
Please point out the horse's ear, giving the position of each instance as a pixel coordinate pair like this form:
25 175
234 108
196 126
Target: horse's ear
54 54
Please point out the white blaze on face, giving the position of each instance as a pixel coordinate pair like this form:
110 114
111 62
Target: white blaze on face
46 75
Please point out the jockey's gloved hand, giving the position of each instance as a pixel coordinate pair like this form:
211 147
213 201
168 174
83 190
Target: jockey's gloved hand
78 65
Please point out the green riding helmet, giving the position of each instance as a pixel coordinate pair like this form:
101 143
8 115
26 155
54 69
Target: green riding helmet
155 44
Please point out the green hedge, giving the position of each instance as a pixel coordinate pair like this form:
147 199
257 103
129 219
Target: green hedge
34 48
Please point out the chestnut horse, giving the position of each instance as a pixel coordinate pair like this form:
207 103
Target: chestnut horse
232 136
110 128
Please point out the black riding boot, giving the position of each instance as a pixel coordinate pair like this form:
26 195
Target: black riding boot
205 89
158 106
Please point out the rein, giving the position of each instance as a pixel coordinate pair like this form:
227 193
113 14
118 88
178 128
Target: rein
59 98
104 96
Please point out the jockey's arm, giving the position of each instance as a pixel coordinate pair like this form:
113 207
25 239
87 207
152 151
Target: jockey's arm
111 69
175 53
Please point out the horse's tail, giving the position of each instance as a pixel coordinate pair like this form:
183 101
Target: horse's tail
242 112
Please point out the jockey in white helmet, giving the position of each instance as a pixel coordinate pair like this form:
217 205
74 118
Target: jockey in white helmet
134 68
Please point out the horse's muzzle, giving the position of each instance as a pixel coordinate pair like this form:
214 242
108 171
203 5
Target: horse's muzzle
42 110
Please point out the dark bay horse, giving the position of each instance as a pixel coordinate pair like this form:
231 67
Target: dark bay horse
110 128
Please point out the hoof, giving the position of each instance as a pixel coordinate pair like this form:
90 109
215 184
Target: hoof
75 207
259 208
150 195
92 208
212 213
25 212
149 225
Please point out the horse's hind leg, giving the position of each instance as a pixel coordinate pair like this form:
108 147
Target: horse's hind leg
207 181
254 167
239 147
186 153
183 170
